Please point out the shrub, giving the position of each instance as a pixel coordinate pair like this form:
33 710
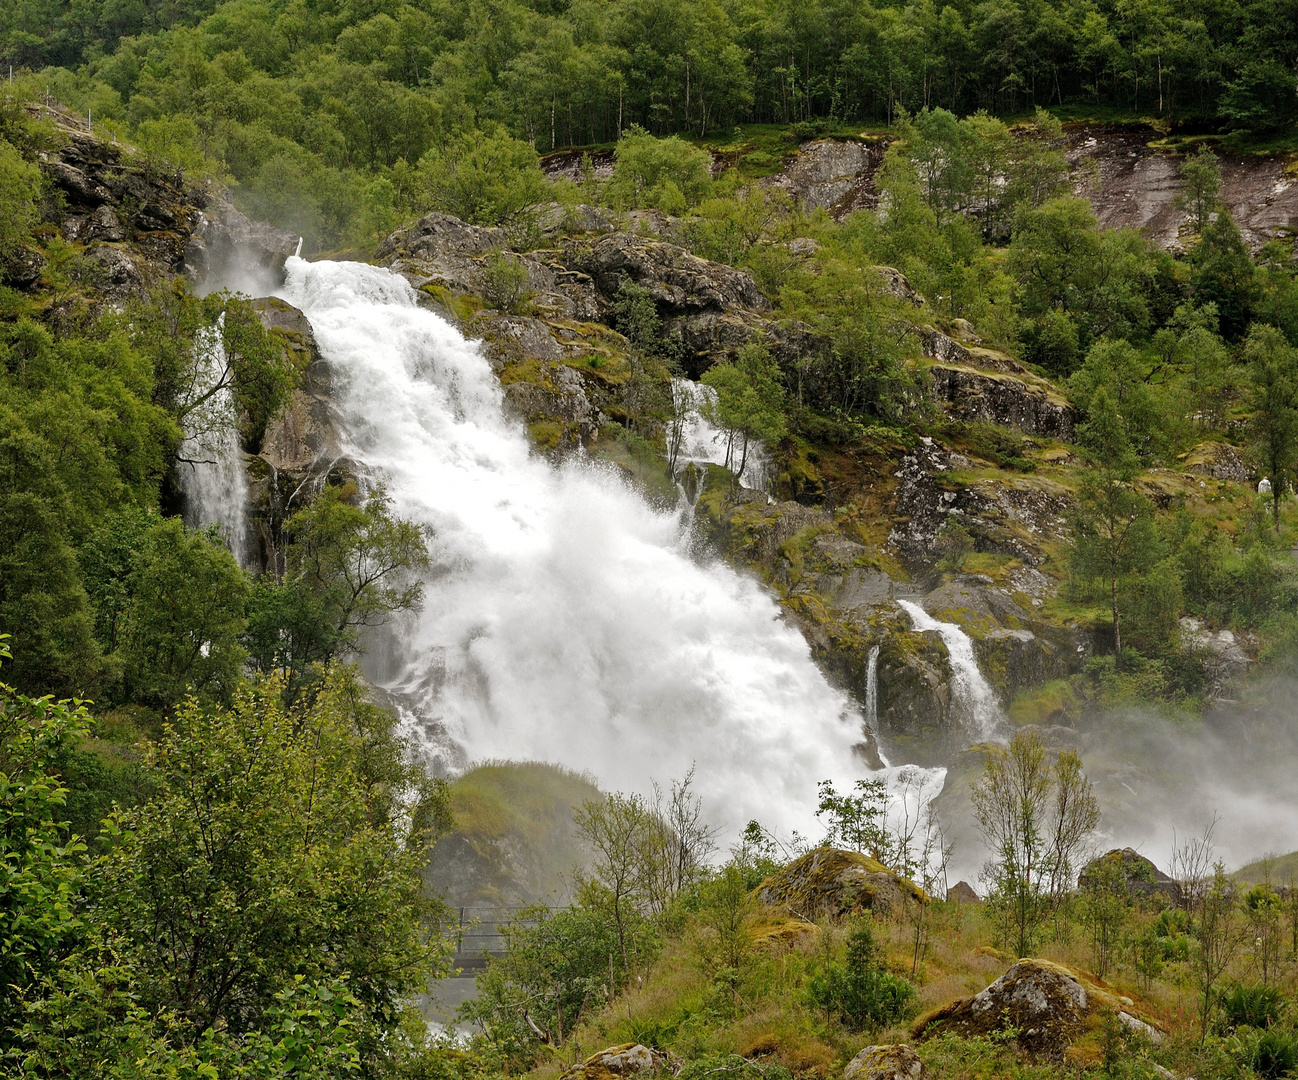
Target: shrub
859 990
669 174
1270 1054
1252 1006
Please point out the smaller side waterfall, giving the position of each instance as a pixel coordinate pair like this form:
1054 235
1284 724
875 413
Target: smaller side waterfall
872 690
211 459
977 700
699 441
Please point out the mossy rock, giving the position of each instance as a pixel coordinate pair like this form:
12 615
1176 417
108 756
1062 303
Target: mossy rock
833 882
628 1059
1049 1010
779 933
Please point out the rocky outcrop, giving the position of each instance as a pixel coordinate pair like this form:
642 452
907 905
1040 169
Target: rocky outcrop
837 883
301 449
1033 408
836 175
629 1059
1015 516
889 1062
132 221
1048 1010
229 250
962 893
1225 661
1132 183
1219 460
1133 873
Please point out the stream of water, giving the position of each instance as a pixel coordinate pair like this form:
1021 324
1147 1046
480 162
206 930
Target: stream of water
212 473
565 619
976 705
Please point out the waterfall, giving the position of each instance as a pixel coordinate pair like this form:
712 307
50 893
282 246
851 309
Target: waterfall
702 443
564 620
212 473
872 690
981 712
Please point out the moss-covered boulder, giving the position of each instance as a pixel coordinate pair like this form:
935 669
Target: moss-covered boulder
829 881
1049 1010
628 1059
890 1062
1132 871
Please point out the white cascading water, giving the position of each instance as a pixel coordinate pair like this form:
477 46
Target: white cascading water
212 473
872 690
980 711
701 442
565 620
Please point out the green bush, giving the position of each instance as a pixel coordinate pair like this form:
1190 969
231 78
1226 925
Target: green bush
860 991
1252 1006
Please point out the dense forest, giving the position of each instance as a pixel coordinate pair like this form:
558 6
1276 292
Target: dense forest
306 105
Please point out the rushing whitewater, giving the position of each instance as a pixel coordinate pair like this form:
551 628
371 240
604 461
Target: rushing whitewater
701 442
212 473
564 620
981 712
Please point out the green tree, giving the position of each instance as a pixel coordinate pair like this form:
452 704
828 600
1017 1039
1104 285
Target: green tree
669 173
1114 534
1036 818
1063 262
1224 275
1273 378
485 179
556 968
749 404
347 567
1200 187
185 617
274 851
620 832
860 989
858 821
20 188
40 882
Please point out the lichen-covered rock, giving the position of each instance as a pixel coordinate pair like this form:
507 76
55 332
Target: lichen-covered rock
679 282
829 881
1050 1010
629 1059
1219 460
1136 873
887 1062
834 174
1032 407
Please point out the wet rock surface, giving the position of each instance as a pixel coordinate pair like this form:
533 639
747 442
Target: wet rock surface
1132 184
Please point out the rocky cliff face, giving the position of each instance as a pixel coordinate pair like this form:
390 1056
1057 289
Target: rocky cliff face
137 224
1130 178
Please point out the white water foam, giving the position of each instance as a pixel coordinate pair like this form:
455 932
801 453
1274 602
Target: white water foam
980 712
212 473
565 620
702 442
